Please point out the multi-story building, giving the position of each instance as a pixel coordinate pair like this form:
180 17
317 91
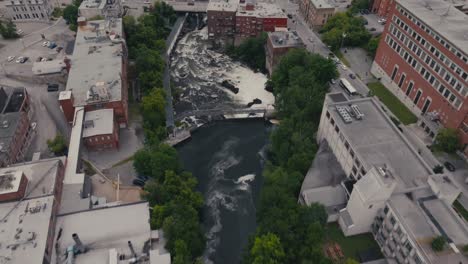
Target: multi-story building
98 74
99 8
15 125
316 12
232 22
278 44
381 7
100 131
255 18
423 59
28 10
386 186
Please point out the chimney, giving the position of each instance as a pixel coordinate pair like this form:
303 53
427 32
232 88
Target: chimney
132 249
81 21
79 246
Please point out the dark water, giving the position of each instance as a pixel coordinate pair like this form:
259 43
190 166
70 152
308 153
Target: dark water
227 159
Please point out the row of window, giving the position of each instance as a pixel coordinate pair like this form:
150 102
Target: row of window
358 170
446 93
23 8
27 16
437 37
443 73
97 139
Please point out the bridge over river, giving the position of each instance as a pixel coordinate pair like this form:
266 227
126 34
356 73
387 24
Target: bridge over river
225 111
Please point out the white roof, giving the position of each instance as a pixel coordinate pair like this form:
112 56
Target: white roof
71 175
157 258
10 181
319 4
98 122
262 9
93 4
24 230
48 67
102 230
223 5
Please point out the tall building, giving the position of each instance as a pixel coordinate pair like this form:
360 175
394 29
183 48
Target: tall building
278 44
381 7
316 12
372 180
423 59
28 10
98 73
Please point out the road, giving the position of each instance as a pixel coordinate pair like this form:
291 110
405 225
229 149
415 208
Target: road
314 44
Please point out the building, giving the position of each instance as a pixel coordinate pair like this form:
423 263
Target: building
278 44
383 186
381 7
98 74
422 59
232 22
255 18
15 125
28 214
91 9
100 131
28 10
316 12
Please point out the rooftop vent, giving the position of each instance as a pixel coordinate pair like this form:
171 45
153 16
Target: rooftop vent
344 114
357 112
5 124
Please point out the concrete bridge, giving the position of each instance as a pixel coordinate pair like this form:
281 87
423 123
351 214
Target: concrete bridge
225 111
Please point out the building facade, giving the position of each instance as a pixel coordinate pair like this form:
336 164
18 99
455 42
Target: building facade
382 7
278 44
29 10
100 130
422 59
316 12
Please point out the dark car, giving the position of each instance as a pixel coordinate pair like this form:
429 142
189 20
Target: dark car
290 16
58 49
52 87
352 76
449 166
24 59
143 177
372 29
138 182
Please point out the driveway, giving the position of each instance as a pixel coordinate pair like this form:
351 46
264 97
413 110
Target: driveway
360 63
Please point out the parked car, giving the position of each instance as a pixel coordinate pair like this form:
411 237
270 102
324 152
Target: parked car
352 76
45 44
449 166
52 45
143 177
52 87
10 58
138 182
332 81
19 31
21 59
58 49
382 21
290 16
372 29
344 67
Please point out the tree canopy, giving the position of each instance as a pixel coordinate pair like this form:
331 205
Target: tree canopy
447 140
251 52
58 145
345 28
267 249
70 14
8 30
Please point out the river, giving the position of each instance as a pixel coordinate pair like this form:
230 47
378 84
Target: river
227 159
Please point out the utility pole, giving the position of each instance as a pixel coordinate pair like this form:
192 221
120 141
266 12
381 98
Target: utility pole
342 39
118 187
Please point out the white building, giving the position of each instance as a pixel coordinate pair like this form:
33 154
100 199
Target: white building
28 10
387 186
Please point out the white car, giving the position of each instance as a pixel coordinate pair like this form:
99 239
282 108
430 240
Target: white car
382 21
10 58
43 59
344 67
45 44
19 31
19 59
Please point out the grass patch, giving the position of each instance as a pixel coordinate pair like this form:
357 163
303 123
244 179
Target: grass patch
460 209
342 58
393 103
352 245
88 168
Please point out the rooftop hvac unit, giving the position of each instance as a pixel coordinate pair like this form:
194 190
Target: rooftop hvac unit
344 114
357 112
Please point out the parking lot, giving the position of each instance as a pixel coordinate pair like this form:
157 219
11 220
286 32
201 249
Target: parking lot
372 23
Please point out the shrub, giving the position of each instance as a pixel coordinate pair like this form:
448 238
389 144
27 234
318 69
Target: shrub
438 243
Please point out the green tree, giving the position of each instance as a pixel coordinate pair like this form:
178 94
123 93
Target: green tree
8 30
57 12
154 161
57 145
447 140
351 261
182 254
251 51
345 23
373 45
438 169
70 14
267 249
357 5
438 243
152 109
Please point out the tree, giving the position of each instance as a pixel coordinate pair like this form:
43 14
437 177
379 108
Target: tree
351 261
373 45
154 161
57 12
438 169
58 145
447 140
438 243
251 51
70 14
152 109
8 31
182 254
357 5
267 249
345 23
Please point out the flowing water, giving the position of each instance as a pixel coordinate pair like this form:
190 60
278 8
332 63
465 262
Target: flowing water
227 159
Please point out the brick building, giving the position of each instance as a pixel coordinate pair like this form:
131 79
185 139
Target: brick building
316 12
232 22
98 73
100 131
278 44
382 7
422 59
15 125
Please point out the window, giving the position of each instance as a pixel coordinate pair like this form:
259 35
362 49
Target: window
332 121
346 145
409 89
402 79
395 70
418 96
337 129
385 209
351 152
392 220
327 115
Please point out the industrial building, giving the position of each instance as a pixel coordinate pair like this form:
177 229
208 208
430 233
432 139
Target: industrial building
28 11
422 59
379 184
316 12
278 44
98 75
100 131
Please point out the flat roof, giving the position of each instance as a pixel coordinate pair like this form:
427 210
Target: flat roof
48 67
24 227
98 122
377 141
96 65
71 174
321 4
102 230
92 4
262 9
223 5
10 181
281 39
8 124
441 16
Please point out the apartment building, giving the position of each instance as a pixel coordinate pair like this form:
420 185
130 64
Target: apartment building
28 10
423 59
384 186
232 22
98 73
278 44
316 12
